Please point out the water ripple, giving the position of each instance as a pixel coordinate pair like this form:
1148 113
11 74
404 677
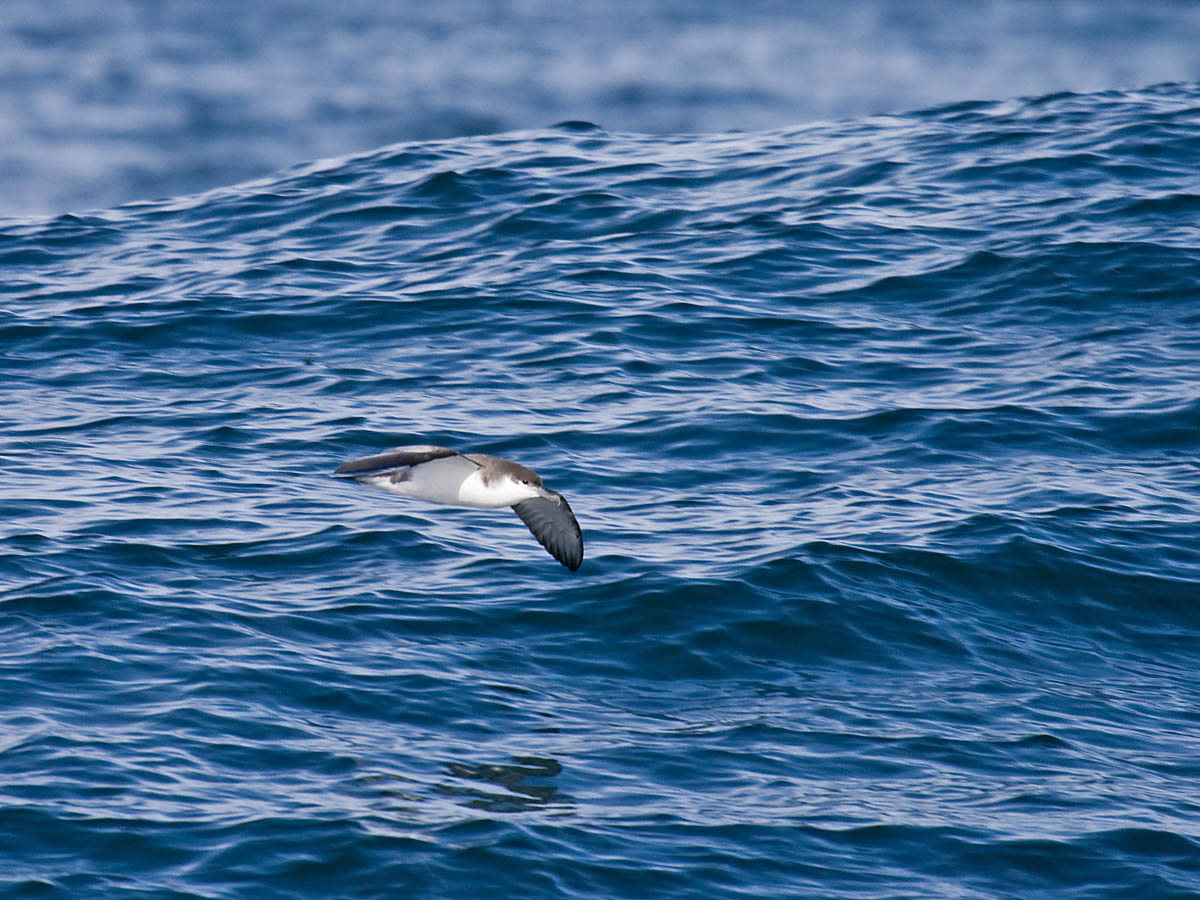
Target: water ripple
882 434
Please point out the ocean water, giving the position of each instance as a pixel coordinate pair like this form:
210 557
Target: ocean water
108 101
882 434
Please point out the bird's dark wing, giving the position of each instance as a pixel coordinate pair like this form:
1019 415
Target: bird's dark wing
554 525
394 459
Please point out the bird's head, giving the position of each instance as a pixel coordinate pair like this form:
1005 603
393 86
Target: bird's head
522 480
529 481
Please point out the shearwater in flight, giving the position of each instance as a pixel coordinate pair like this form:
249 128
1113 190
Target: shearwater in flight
442 475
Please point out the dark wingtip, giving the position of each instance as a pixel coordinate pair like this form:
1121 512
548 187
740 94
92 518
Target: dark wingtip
571 561
571 557
555 527
354 466
570 564
393 459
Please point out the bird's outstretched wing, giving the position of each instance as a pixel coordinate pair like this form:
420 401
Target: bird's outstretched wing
554 525
394 459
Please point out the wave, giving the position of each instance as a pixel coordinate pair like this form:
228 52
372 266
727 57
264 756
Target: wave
882 434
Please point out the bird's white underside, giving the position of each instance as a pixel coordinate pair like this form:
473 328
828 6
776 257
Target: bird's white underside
456 481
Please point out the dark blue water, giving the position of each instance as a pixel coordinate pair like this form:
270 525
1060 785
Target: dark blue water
883 436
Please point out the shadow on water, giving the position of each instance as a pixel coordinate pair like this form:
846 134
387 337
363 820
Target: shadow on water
527 784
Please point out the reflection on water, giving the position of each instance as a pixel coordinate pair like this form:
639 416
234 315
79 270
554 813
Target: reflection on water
520 780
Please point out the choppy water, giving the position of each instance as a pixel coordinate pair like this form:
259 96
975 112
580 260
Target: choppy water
883 436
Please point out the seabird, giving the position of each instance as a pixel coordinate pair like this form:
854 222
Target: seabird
442 475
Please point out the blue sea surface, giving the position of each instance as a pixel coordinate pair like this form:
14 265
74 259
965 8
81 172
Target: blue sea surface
108 101
883 435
